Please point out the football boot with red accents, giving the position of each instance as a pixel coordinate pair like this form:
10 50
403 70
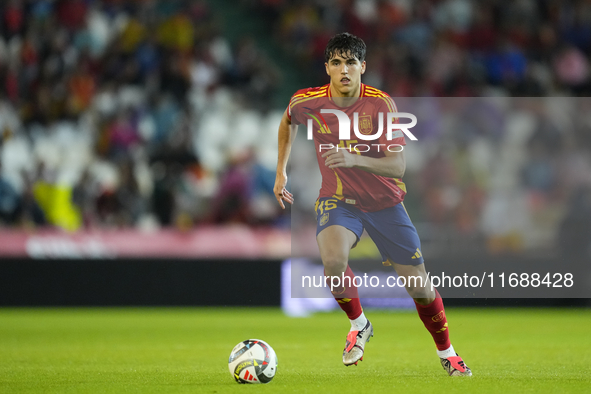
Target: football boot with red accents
355 344
455 366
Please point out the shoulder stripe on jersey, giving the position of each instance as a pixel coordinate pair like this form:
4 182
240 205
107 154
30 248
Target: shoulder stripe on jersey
389 102
372 88
315 94
377 94
311 92
372 92
297 100
369 89
301 100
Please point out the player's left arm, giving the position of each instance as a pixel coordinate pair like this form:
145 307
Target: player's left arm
392 165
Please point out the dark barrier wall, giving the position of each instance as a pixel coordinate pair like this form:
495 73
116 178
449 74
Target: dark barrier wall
139 282
162 282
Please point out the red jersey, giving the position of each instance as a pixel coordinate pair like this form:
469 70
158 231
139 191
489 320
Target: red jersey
367 191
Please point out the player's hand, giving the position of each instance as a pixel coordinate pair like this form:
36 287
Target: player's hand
339 158
281 193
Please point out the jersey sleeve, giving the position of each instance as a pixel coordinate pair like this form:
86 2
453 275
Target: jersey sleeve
293 115
388 106
289 111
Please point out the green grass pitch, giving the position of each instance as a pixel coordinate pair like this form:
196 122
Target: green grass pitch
174 350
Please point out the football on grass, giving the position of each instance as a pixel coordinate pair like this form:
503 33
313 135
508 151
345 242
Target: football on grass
253 361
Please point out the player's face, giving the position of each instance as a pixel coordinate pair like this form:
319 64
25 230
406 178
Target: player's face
345 75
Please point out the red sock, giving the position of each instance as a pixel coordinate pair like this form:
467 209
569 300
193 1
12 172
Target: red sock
350 302
433 317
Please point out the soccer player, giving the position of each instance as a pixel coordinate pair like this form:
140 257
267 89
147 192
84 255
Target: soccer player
361 189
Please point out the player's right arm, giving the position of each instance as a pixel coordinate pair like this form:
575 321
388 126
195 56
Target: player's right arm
286 135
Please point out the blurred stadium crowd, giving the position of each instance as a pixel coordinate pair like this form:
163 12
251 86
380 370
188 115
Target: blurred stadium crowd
129 113
448 47
120 113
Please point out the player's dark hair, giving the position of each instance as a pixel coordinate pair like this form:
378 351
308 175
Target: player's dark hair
346 45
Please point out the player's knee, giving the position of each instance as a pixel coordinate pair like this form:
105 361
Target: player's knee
424 301
423 295
335 265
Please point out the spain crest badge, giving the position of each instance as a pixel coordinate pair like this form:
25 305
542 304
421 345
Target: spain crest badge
365 125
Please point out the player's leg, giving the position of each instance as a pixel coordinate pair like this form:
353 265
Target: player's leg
338 231
428 303
334 243
432 313
397 240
